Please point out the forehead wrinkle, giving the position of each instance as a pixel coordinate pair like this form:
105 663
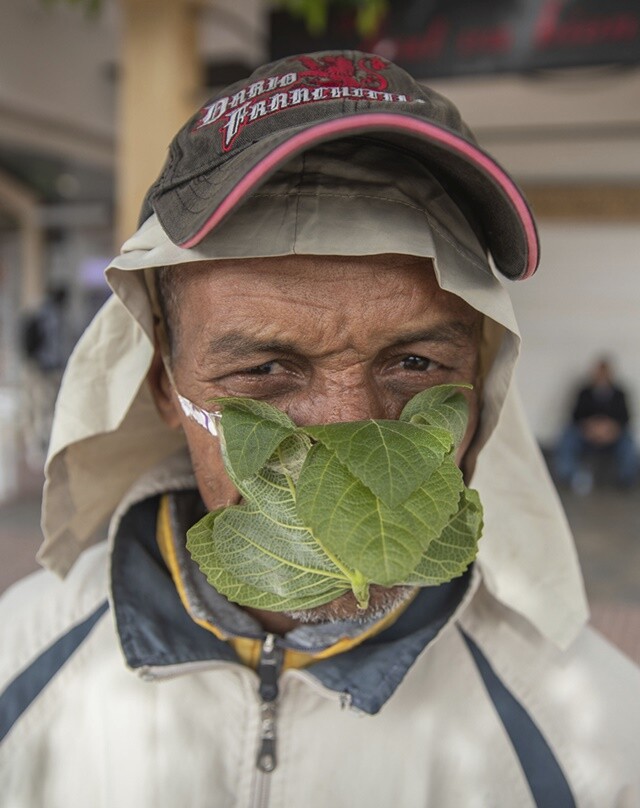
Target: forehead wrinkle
236 344
263 310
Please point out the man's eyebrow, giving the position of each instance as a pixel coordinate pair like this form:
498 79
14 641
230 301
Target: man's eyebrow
456 332
234 344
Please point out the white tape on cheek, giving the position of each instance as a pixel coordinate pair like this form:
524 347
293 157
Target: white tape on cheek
207 420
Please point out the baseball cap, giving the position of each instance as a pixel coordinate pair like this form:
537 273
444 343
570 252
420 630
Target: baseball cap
244 133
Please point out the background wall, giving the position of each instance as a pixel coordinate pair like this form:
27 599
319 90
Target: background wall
583 301
576 130
56 79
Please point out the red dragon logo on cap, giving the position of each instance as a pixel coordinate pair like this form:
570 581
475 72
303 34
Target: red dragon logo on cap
338 70
326 78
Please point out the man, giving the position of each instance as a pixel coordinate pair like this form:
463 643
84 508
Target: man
599 422
318 242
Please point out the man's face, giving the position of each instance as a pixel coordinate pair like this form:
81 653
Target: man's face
323 338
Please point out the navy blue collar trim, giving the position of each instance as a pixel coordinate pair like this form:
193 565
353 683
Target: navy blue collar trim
154 628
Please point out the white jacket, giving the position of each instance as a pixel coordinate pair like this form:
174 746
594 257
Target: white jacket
488 691
113 697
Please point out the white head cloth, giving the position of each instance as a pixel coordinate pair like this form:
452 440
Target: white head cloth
107 433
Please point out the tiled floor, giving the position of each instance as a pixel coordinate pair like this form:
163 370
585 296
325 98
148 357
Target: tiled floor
606 525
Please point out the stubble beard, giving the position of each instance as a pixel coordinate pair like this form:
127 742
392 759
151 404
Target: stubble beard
382 601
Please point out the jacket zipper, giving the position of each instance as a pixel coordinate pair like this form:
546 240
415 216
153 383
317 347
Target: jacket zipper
266 761
268 673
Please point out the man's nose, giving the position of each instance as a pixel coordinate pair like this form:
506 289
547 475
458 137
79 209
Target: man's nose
336 402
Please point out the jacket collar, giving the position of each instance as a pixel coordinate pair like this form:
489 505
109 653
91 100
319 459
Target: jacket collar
158 636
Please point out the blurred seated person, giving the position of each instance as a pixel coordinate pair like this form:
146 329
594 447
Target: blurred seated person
600 422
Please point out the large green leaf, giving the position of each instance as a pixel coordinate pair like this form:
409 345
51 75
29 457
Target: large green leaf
391 458
260 554
237 577
384 543
334 508
450 554
251 432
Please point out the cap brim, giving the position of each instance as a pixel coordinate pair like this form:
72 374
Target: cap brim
473 180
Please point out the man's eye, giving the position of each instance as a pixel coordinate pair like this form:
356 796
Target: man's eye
262 370
419 363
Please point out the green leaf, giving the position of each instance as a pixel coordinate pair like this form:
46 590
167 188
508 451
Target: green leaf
92 6
315 13
384 543
249 588
391 458
289 457
261 555
370 16
251 431
443 406
451 553
370 502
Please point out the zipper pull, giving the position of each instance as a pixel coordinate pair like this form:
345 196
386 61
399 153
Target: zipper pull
269 669
268 672
266 761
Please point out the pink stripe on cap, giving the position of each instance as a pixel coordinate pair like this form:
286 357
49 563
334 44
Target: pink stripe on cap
368 121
